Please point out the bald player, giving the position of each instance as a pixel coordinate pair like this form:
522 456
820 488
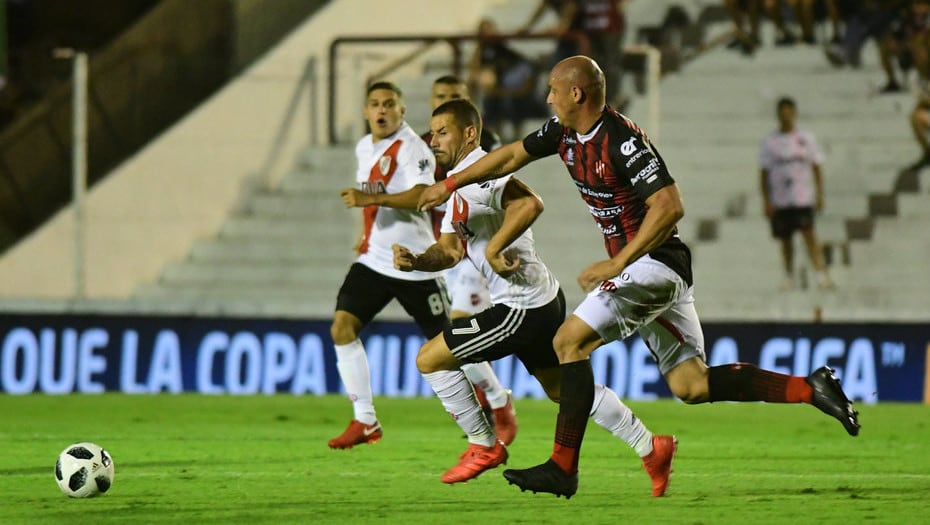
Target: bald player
645 285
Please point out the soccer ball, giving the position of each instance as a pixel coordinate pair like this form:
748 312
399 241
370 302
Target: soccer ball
84 470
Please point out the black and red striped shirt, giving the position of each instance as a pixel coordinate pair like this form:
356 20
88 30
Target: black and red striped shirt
615 168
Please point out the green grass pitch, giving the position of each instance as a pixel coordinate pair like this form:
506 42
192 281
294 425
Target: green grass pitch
203 459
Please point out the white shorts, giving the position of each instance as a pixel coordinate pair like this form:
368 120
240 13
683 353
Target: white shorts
467 288
650 298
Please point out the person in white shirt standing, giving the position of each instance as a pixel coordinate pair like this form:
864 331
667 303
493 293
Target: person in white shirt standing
792 190
488 224
394 166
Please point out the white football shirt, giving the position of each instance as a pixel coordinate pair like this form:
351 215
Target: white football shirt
789 159
393 165
475 213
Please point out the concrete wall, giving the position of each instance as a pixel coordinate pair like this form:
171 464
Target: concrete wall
181 186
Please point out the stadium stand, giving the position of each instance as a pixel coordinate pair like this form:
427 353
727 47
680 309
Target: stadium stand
283 250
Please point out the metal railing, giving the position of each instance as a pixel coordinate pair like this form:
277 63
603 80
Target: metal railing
307 86
427 41
455 41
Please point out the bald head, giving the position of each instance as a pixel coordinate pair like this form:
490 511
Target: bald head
584 73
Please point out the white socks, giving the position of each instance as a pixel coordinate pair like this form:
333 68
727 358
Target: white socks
483 376
615 417
458 398
352 364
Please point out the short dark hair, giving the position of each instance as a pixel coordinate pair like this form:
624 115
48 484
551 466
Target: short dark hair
450 80
463 112
385 85
786 101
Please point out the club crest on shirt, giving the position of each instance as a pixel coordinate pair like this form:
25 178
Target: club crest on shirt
384 164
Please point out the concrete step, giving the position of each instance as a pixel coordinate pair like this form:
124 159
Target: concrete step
281 275
219 251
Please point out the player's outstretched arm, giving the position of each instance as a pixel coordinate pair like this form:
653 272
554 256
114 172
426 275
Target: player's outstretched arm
521 208
407 200
494 165
444 253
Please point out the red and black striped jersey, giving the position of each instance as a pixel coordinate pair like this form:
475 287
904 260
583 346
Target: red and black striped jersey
615 168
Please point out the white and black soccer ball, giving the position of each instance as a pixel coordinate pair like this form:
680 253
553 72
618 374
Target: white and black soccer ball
84 470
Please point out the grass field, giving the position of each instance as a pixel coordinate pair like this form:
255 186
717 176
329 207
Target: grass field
200 459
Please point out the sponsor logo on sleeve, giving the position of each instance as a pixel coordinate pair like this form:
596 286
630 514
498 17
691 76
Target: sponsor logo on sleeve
628 147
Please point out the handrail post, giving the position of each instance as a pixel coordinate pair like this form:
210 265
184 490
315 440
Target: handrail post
78 161
653 60
314 85
654 72
331 92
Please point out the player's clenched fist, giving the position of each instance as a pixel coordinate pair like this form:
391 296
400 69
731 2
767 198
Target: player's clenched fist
404 259
354 198
433 196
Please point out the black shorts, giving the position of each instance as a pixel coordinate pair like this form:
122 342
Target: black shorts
501 330
365 292
786 221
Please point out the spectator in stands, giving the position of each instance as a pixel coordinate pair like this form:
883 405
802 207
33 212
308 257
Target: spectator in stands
604 25
864 20
806 13
743 12
920 124
792 190
506 81
570 19
906 45
775 10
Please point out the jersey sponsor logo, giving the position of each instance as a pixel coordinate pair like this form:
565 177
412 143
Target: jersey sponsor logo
473 328
585 190
570 158
373 187
606 213
636 157
648 174
628 147
384 164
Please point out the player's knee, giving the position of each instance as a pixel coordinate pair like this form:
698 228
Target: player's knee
566 347
342 332
552 390
690 393
425 364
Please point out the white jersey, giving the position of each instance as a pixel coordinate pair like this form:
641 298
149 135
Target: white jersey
393 165
467 288
475 214
789 159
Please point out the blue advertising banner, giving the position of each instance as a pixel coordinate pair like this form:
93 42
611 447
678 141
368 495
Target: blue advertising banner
59 354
